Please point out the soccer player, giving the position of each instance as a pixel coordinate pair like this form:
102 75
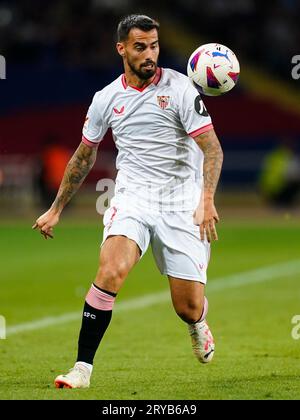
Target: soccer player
169 162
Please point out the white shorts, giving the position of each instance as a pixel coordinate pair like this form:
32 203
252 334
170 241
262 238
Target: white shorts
175 240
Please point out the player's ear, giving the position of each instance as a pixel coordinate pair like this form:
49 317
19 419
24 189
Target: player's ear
120 49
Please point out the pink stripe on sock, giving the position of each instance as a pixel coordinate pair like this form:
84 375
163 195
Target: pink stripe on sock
100 300
205 309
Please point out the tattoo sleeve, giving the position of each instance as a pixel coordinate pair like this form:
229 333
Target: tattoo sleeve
77 169
213 160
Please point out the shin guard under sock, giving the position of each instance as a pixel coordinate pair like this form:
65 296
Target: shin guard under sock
96 317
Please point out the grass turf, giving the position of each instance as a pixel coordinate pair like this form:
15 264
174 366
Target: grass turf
146 352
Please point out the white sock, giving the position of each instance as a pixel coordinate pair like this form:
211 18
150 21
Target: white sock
86 365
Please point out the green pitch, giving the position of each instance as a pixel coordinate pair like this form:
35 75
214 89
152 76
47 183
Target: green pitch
146 352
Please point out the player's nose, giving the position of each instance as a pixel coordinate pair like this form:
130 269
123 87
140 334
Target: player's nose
150 55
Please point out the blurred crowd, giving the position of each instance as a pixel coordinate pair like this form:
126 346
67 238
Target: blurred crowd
81 32
265 33
280 175
59 44
57 32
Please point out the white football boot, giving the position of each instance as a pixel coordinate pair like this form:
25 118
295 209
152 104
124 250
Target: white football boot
78 377
202 341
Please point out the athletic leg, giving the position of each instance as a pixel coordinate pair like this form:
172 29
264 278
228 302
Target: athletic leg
117 257
191 306
187 298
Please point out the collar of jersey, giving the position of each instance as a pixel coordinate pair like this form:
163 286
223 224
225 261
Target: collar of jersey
155 81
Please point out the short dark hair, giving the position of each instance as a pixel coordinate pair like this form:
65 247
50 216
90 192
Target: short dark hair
143 22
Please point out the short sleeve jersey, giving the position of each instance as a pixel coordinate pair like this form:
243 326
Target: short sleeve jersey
153 129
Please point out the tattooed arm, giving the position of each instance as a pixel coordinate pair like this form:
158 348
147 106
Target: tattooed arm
77 169
206 215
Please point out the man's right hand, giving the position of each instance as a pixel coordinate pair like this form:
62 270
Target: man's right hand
46 222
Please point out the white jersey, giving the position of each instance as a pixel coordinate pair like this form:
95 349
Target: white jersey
159 164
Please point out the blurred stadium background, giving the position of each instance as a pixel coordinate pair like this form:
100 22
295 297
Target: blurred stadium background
58 53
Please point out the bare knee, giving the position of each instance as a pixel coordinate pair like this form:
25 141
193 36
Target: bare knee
189 312
111 275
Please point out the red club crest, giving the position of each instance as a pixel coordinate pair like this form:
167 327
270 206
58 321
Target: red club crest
163 101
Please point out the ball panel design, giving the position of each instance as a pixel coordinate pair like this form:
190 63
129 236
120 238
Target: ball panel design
214 69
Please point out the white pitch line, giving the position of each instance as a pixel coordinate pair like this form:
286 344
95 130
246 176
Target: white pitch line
259 275
130 304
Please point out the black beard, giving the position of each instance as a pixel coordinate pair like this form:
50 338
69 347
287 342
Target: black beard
143 74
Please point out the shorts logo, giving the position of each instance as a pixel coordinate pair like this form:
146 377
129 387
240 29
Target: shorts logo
201 266
119 111
163 101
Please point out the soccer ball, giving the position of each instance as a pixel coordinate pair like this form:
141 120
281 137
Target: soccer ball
214 69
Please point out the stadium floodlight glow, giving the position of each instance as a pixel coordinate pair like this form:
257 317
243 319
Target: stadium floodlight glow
2 67
2 328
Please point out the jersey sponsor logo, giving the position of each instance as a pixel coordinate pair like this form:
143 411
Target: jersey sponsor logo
163 101
119 111
200 107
